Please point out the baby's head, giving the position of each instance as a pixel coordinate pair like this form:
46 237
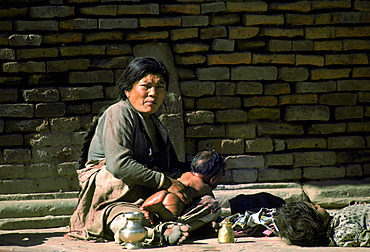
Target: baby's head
303 224
209 164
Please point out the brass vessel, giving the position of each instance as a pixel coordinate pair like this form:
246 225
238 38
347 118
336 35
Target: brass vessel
226 233
133 233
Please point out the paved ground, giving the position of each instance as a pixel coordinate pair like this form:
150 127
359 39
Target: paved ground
52 240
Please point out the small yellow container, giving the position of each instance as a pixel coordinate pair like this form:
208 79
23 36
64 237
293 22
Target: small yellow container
226 233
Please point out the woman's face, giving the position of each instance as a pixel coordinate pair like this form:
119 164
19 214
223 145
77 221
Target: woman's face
321 212
147 95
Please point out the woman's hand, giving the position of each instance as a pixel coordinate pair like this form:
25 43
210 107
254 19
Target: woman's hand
180 190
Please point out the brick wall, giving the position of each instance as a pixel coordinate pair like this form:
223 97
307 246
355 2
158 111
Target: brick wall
281 87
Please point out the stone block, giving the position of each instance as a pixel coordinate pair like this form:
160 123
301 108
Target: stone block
50 109
205 131
307 113
8 95
17 155
147 35
272 128
212 7
293 74
279 144
346 59
300 19
52 154
17 110
353 156
112 63
362 5
346 142
13 12
99 10
213 32
361 72
81 93
98 36
232 58
66 65
302 45
273 59
11 171
364 97
285 159
259 145
354 170
271 114
276 89
34 125
349 99
327 32
220 102
37 53
282 32
260 101
327 129
98 106
213 73
316 87
328 45
41 95
185 33
328 74
196 21
11 140
6 26
78 109
359 31
353 85
275 45
223 146
228 19
324 172
118 49
118 23
190 60
349 112
185 74
159 22
197 88
239 32
138 9
82 50
66 124
254 73
103 76
79 23
314 60
326 4
62 37
244 175
253 6
295 99
7 54
358 127
190 9
190 47
245 161
242 130
51 11
40 25
306 143
314 158
300 6
249 88
254 19
24 67
223 45
355 44
199 117
230 116
225 88
271 174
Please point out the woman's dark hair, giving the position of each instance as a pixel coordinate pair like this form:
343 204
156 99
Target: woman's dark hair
138 69
300 225
135 71
207 162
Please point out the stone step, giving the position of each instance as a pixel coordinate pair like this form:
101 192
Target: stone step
45 210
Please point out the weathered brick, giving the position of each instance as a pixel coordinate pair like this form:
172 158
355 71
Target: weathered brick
223 45
293 74
225 88
361 72
314 158
213 32
185 33
245 161
299 19
78 109
190 47
254 73
147 35
16 155
185 74
82 50
353 85
45 79
320 32
327 129
223 146
254 6
332 4
231 115
203 131
259 145
8 172
349 112
37 53
328 45
118 23
112 63
197 88
354 170
6 26
272 160
366 169
327 73
13 12
231 58
367 111
219 19
316 87
66 65
350 156
213 73
17 110
363 31
306 143
239 32
81 93
275 45
50 154
302 45
358 127
249 44
271 114
103 36
34 125
307 113
199 117
346 59
299 6
25 67
105 76
8 95
159 22
191 9
253 19
276 89
68 124
10 80
271 174
138 9
99 10
49 25
348 17
118 49
11 140
79 23
324 172
298 99
248 88
346 142
50 109
224 102
7 54
212 7
270 128
241 130
261 101
338 99
273 59
362 5
315 60
98 106
187 21
244 175
41 95
282 32
66 37
322 19
190 60
51 11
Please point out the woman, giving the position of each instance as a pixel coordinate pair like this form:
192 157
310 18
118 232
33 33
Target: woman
130 158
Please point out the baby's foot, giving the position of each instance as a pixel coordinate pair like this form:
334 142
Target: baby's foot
176 234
